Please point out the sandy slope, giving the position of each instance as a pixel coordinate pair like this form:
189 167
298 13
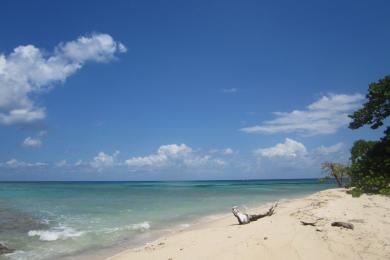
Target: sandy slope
282 236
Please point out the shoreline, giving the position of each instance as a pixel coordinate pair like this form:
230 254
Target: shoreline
111 233
196 224
223 238
151 236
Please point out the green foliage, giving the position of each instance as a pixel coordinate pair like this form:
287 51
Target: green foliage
335 170
356 192
385 191
370 168
376 109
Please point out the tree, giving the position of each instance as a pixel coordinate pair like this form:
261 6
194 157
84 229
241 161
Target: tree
335 170
376 109
370 168
370 165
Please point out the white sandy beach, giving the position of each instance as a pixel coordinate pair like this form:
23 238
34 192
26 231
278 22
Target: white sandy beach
282 236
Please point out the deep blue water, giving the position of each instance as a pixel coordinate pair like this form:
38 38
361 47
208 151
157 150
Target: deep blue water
46 220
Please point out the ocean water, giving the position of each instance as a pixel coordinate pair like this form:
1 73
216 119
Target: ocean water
50 220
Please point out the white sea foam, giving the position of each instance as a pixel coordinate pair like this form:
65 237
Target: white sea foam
184 226
17 255
56 233
45 221
143 226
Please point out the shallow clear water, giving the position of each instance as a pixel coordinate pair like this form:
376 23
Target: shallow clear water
46 220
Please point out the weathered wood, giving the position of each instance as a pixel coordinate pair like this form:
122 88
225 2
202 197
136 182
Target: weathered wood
270 212
342 224
247 218
305 223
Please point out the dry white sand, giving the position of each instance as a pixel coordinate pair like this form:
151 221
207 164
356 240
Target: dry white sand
282 236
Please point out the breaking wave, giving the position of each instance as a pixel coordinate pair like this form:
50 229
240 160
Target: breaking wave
56 233
143 226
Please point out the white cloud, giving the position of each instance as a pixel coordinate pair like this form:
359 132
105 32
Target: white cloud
225 151
293 155
29 71
104 160
78 163
14 163
325 116
229 90
42 133
228 151
284 156
290 149
32 142
325 150
167 157
61 163
173 155
164 155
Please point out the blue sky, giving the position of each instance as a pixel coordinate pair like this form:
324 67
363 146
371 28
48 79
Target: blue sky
150 90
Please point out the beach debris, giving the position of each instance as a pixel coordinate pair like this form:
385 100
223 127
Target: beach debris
5 249
342 224
244 218
306 223
319 229
265 238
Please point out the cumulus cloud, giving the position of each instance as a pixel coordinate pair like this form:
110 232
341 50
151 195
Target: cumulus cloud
292 155
29 71
104 160
173 155
32 142
325 116
290 148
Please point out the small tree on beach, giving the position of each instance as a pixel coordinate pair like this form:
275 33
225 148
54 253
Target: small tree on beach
336 170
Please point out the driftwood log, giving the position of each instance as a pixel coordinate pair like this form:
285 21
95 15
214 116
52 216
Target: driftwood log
342 224
270 211
244 218
305 223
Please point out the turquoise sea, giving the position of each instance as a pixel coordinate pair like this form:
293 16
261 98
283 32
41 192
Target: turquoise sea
50 220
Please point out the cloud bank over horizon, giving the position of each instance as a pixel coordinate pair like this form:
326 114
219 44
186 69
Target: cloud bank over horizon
182 158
